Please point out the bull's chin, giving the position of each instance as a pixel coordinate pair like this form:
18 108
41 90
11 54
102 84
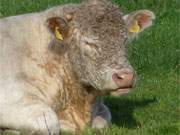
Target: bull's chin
120 91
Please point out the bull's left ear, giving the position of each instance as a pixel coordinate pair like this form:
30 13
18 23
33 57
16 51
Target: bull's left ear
59 27
139 20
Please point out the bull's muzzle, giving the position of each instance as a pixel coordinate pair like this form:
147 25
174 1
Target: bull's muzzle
124 78
120 81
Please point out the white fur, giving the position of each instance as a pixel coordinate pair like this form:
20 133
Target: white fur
20 104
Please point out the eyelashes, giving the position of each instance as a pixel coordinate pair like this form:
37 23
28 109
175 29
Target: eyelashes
92 45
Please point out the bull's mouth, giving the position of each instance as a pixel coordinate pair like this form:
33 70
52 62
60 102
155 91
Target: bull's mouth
121 91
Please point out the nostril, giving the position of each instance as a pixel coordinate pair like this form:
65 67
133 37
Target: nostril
116 77
119 77
123 78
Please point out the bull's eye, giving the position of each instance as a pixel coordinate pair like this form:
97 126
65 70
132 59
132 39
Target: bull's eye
90 49
92 45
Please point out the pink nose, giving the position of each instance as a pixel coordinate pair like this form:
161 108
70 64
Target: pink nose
124 78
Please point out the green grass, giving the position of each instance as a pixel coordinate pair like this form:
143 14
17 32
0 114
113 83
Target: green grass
153 108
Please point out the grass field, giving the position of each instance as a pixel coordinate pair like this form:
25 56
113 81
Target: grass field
154 107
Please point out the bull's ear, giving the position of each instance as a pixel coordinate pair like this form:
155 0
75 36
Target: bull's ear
59 27
139 20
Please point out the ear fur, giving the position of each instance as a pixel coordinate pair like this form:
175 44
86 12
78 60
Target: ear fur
139 20
59 27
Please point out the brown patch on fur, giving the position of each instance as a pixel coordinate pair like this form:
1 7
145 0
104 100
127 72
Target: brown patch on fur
49 67
62 25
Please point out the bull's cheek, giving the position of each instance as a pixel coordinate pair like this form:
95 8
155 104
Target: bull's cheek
97 78
88 51
109 83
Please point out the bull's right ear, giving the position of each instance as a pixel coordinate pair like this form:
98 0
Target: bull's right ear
59 27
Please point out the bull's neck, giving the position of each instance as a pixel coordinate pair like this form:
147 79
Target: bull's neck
75 102
72 92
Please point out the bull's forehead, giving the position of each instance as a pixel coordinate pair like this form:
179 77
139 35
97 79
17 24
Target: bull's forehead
102 21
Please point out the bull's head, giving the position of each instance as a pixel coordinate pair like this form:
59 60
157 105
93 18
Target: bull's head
96 34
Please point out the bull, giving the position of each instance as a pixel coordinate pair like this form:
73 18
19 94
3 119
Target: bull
56 65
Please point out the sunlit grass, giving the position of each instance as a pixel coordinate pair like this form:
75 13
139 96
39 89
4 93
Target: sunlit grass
153 107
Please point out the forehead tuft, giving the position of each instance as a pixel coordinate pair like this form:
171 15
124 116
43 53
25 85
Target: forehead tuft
104 20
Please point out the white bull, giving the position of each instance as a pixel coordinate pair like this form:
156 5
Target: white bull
30 92
39 90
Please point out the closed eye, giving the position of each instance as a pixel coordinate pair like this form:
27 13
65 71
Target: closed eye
92 45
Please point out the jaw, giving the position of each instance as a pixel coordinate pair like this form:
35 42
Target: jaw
110 88
115 91
120 92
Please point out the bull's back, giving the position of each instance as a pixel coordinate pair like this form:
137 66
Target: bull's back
17 34
9 48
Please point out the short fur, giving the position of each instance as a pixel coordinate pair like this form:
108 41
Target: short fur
47 84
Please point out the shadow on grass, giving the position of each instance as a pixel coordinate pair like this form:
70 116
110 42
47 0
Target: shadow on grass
122 110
